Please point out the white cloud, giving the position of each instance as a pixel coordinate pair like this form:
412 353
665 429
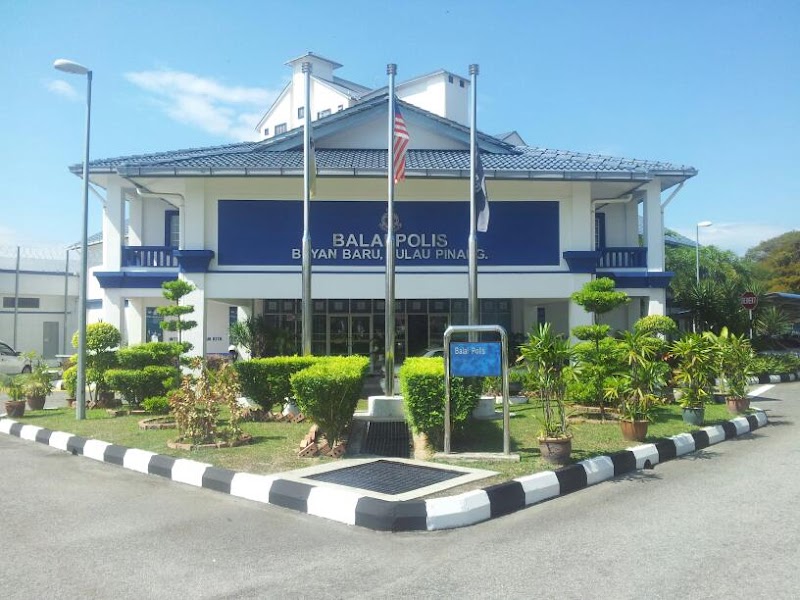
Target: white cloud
63 89
202 102
738 237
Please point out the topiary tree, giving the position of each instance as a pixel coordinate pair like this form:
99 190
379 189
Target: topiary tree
174 291
599 297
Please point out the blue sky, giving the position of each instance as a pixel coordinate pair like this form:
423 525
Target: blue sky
713 85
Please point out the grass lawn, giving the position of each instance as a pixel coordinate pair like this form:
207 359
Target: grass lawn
276 445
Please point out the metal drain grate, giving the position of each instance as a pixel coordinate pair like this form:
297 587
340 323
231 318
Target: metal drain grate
388 439
387 477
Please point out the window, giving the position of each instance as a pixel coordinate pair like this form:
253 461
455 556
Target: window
301 112
341 107
281 128
450 79
6 350
171 229
599 231
233 315
8 302
153 325
323 113
461 82
266 131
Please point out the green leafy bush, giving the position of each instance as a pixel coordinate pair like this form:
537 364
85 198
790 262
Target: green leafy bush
327 392
422 385
101 341
158 405
164 354
775 364
70 379
266 380
136 385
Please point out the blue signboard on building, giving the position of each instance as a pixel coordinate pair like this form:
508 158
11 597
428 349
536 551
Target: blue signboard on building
351 233
475 359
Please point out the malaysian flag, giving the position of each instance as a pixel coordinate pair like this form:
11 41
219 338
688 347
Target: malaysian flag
481 197
400 143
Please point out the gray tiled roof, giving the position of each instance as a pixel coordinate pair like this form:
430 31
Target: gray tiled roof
534 161
283 155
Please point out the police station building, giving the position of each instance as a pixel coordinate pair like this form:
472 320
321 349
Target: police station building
229 219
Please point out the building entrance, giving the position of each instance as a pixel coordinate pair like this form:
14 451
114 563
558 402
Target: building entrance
349 334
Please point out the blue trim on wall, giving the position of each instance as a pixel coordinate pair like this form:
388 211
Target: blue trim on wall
29 272
351 233
124 279
581 261
640 280
193 261
92 304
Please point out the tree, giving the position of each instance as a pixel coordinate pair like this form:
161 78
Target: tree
598 297
779 257
174 291
101 341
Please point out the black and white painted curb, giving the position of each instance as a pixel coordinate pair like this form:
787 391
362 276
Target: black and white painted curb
782 378
354 508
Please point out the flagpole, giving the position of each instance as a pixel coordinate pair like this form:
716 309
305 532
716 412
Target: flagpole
474 312
391 70
306 303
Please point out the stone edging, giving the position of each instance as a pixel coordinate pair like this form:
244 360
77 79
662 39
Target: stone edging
353 508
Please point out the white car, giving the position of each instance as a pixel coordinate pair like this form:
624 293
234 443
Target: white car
11 363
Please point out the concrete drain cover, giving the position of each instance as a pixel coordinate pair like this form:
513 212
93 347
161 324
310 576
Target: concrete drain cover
389 478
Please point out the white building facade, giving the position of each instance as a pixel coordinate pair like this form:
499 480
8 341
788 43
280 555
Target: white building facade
38 299
229 220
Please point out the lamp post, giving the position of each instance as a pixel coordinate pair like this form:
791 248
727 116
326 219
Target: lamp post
67 66
697 248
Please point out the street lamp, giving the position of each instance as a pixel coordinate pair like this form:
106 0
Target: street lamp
67 66
697 247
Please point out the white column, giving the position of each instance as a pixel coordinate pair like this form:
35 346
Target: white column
114 309
631 223
580 220
578 316
197 299
653 226
134 319
113 226
657 304
135 220
193 216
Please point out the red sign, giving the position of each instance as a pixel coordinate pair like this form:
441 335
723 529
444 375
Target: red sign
749 300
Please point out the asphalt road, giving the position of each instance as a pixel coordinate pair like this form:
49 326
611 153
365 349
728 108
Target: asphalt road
718 524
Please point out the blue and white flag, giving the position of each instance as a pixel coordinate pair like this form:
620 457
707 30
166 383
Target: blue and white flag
481 198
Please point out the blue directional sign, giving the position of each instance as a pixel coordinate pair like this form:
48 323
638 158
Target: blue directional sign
475 359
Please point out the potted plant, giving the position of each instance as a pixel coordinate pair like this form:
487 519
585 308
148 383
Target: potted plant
547 357
635 389
737 366
38 384
15 388
694 359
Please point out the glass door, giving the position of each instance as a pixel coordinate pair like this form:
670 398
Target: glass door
338 334
360 334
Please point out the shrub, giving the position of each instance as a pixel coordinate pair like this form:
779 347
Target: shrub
70 379
101 339
266 380
136 385
158 405
164 354
327 392
198 402
422 385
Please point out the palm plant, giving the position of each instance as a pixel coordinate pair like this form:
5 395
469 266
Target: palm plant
695 356
547 356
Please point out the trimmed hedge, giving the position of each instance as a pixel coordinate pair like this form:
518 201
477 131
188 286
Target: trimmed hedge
328 391
422 385
136 385
164 354
266 380
158 405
